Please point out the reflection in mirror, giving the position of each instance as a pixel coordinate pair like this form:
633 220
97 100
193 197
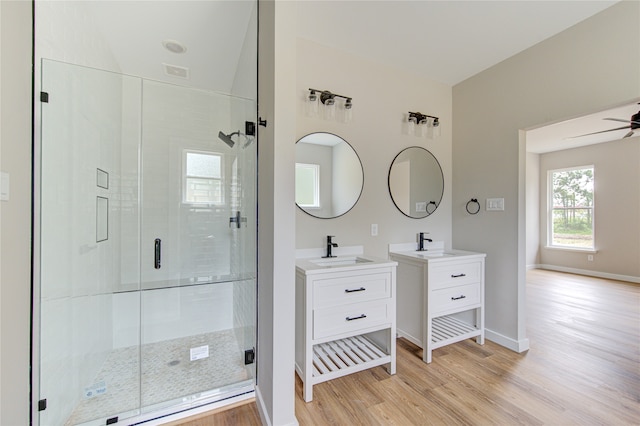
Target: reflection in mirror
329 176
416 182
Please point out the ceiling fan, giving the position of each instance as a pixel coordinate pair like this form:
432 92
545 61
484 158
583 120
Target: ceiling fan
633 125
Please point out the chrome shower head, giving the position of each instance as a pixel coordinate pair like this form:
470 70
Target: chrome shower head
227 138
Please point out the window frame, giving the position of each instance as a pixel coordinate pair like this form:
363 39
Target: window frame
551 209
316 189
185 177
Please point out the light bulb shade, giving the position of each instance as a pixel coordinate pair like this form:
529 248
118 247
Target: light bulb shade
436 131
329 110
433 129
345 113
409 126
422 128
311 105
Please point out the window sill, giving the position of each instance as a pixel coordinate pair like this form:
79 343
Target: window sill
574 249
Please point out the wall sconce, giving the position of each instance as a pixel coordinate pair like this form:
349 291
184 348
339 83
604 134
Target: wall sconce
419 124
329 105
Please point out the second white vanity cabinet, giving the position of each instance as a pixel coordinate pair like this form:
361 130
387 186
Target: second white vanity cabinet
345 318
432 289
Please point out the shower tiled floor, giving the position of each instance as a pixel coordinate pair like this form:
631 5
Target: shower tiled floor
167 374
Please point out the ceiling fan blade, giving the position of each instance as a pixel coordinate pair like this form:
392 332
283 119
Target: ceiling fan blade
628 135
623 121
603 131
617 119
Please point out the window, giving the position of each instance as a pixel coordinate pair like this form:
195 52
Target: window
308 185
202 178
571 208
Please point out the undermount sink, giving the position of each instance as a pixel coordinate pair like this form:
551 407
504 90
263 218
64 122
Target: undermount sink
348 258
340 261
435 254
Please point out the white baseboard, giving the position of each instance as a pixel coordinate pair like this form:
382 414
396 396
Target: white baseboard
415 341
264 414
514 345
262 409
590 273
518 346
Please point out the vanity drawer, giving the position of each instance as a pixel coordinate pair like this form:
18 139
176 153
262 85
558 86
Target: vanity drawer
454 274
344 290
349 318
455 298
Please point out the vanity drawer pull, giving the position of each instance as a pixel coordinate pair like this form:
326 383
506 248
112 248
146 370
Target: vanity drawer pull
352 290
355 318
458 275
459 297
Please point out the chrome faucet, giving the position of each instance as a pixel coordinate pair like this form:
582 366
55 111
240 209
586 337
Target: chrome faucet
422 240
330 244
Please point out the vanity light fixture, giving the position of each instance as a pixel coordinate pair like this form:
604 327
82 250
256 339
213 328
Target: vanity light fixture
328 103
420 124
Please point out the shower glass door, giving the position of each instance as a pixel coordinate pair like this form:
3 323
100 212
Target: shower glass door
147 231
197 240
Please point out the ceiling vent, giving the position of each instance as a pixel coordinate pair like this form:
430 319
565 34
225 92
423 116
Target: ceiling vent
176 71
174 46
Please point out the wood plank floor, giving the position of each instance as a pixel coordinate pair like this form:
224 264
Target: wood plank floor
583 368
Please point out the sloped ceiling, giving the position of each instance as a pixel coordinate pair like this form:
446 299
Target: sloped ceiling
212 31
567 134
447 41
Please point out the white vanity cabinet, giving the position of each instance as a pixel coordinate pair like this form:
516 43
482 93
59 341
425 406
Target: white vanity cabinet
345 320
432 288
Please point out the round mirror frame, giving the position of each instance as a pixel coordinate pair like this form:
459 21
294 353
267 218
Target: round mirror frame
428 209
356 199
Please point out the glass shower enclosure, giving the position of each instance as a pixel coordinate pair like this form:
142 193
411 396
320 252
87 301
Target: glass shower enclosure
147 247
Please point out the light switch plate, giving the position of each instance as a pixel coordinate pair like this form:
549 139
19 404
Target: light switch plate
495 204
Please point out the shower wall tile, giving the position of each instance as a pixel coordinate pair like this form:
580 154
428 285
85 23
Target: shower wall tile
82 132
126 319
71 35
195 238
74 353
172 313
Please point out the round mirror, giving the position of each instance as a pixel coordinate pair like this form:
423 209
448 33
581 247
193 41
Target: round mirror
329 176
416 182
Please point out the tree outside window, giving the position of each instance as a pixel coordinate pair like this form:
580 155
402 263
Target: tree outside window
571 212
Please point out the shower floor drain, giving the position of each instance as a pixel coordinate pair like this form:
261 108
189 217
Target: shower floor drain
173 363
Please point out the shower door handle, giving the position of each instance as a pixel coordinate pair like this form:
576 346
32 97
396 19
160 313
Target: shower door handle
157 253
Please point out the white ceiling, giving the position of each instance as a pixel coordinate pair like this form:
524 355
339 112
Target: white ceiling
212 31
447 41
562 135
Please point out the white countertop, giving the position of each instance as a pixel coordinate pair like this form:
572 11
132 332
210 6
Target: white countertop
434 252
311 261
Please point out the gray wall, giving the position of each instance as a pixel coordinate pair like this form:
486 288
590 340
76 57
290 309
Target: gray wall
616 214
15 214
375 133
533 209
592 65
276 216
